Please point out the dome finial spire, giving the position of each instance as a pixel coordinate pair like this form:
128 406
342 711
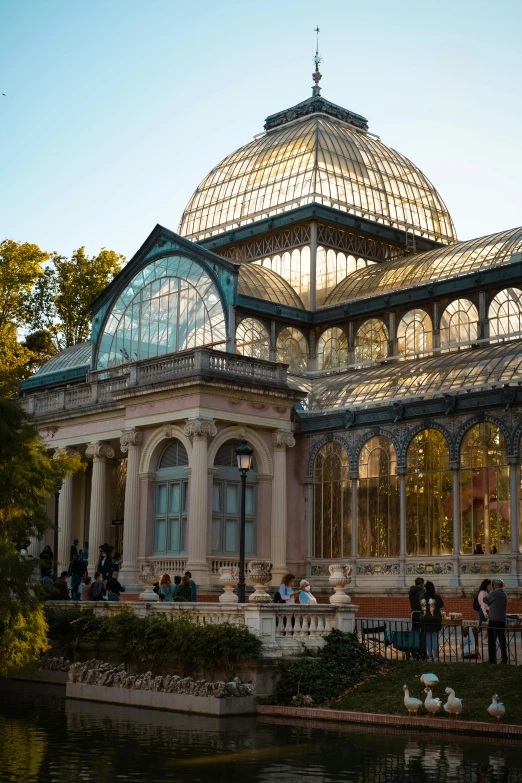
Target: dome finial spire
317 76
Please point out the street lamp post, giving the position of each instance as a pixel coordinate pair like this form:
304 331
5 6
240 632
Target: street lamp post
244 462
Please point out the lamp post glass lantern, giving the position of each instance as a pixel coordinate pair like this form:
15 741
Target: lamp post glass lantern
244 463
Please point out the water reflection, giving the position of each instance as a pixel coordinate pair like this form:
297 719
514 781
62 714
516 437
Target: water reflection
45 738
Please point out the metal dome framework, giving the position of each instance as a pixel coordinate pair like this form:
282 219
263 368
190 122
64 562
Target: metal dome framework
321 159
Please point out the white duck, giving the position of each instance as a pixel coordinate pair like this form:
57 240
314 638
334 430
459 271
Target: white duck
411 704
496 709
453 706
429 680
431 705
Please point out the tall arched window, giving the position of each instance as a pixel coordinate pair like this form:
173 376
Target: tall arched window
252 339
429 498
292 348
170 305
226 499
485 514
170 518
332 349
414 333
378 520
458 323
332 536
371 341
505 313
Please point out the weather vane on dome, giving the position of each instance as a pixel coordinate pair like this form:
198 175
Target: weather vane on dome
317 76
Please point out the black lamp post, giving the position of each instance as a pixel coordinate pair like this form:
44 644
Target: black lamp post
55 542
244 463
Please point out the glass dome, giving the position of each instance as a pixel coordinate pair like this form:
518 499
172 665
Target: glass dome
263 283
75 356
459 259
317 158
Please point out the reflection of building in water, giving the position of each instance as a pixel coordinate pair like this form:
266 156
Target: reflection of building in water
390 441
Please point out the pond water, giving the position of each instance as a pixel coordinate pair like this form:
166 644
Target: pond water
45 738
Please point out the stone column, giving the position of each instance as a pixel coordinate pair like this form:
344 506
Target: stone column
308 482
513 494
280 440
100 453
65 514
130 443
199 430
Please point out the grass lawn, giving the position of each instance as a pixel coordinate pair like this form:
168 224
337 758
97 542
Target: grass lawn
474 683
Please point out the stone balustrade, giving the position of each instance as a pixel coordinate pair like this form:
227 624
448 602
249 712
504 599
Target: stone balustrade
105 386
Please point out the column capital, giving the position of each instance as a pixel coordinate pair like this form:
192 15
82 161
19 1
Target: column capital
99 451
200 428
282 439
512 459
453 465
130 438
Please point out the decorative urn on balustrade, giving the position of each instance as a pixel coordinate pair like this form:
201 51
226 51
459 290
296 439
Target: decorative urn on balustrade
339 578
259 574
148 577
228 577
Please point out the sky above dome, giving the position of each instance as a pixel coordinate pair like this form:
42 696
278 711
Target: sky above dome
115 111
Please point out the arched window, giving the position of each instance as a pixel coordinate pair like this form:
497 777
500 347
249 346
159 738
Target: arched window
414 333
170 517
292 348
485 514
226 499
332 536
170 305
332 349
378 520
505 313
252 339
458 323
371 341
429 498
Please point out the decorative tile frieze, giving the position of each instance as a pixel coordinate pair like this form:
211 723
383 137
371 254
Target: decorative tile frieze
414 569
378 569
486 567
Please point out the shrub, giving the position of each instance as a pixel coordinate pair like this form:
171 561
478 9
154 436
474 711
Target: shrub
337 667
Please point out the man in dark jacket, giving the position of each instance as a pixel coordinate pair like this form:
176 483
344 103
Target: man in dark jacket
415 595
114 588
497 601
61 587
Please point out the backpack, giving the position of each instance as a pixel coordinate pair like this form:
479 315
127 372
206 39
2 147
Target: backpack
476 605
278 599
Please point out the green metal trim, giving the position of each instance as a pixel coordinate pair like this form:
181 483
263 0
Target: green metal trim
315 211
274 309
52 378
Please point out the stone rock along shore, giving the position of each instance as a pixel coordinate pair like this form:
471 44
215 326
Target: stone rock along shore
55 664
100 673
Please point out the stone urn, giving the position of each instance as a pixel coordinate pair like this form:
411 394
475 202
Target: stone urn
228 578
149 577
259 574
339 578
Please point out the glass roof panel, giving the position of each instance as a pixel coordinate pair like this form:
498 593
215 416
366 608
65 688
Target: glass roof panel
317 158
447 373
75 356
458 259
263 283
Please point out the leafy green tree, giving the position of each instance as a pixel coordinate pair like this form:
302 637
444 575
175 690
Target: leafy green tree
62 295
28 475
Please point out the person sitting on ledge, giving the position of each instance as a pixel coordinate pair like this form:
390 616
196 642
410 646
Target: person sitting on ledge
61 587
478 550
114 588
185 591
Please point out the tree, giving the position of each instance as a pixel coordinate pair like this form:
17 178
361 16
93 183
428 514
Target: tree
20 268
28 475
62 295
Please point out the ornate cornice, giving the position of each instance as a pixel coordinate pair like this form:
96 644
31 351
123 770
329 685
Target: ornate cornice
98 451
130 438
200 428
282 439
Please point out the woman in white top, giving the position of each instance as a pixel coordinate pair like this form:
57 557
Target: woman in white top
286 589
305 596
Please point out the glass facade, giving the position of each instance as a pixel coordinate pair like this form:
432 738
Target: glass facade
252 339
414 334
170 305
371 341
171 499
332 526
265 283
332 266
226 499
294 267
292 349
332 349
485 511
378 522
458 323
318 159
505 313
429 496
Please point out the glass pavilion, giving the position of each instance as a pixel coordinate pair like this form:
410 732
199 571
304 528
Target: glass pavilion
316 303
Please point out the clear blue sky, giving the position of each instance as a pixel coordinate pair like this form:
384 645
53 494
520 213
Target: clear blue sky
116 109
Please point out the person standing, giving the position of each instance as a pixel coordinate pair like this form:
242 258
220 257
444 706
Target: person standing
496 602
167 589
286 589
74 549
46 557
184 594
114 587
193 587
479 604
76 571
431 620
305 595
84 552
61 587
415 595
97 588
